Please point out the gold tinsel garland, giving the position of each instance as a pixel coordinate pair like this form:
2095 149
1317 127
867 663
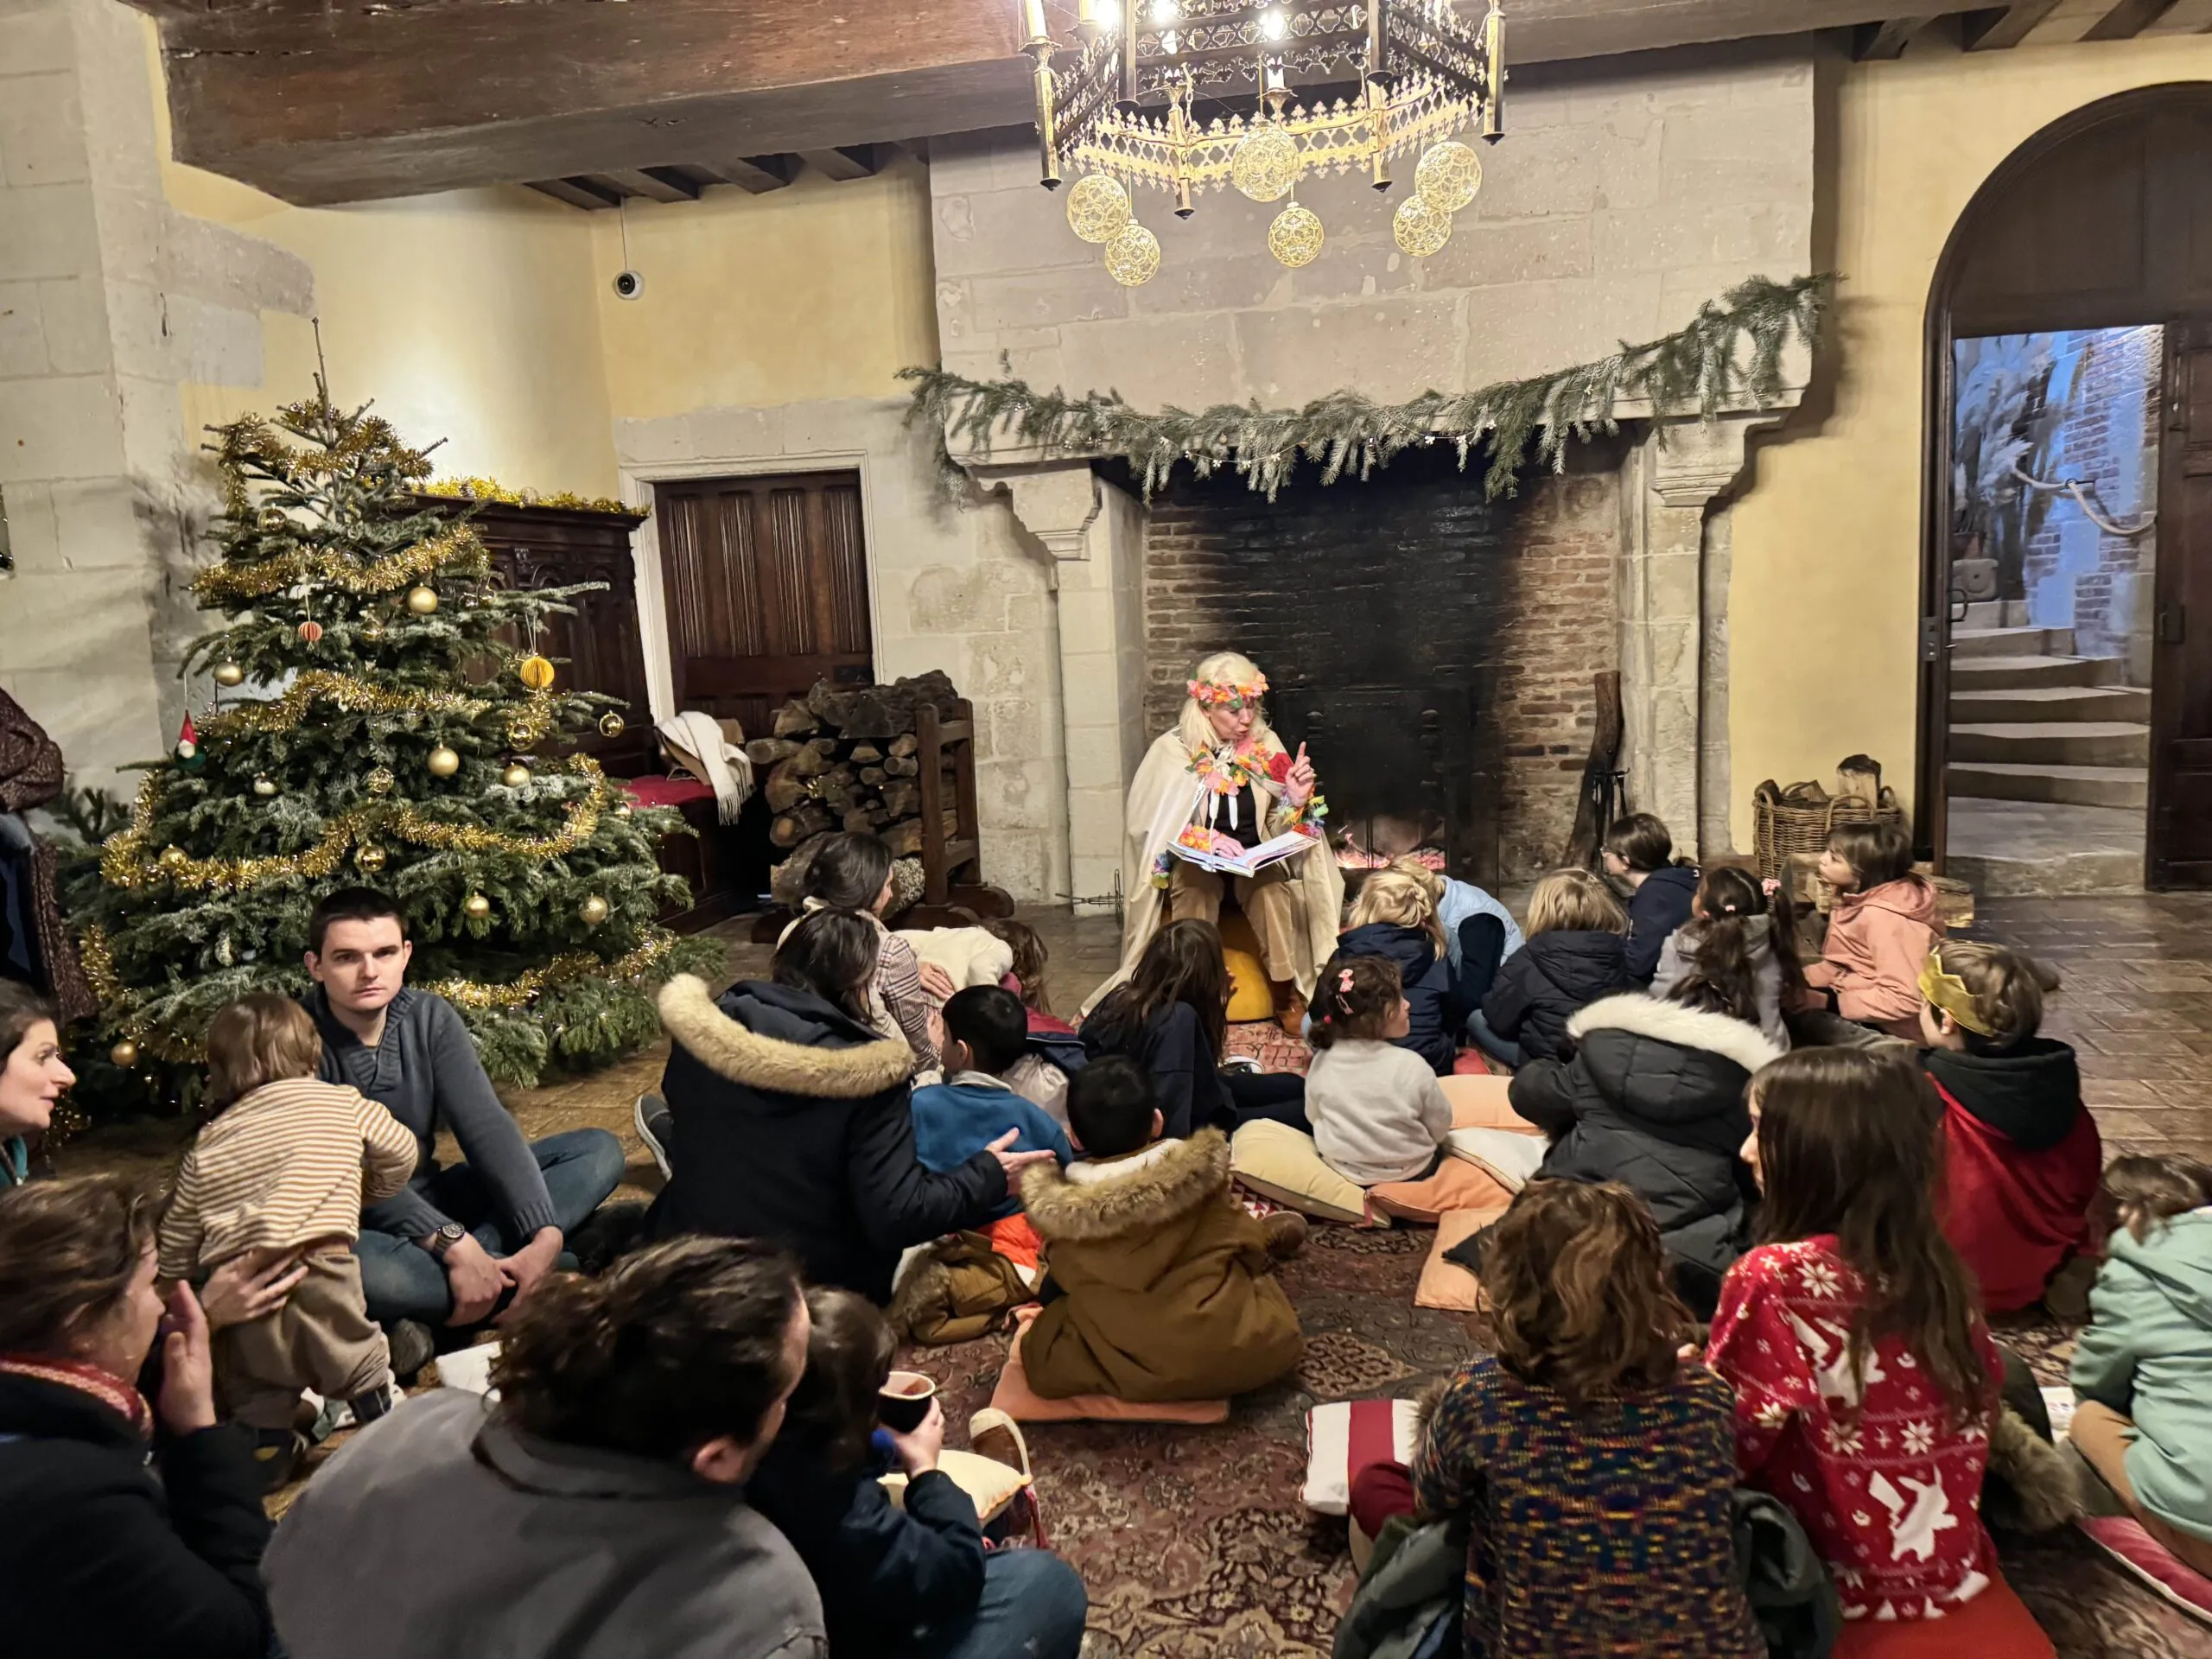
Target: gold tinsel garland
490 489
125 861
455 551
365 440
476 995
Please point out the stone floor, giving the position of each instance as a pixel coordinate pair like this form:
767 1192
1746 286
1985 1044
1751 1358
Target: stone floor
2043 847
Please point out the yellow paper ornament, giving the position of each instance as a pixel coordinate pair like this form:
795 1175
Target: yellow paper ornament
1097 207
1132 256
124 1053
443 762
594 911
1295 236
1419 228
535 673
1265 163
1448 175
229 674
423 602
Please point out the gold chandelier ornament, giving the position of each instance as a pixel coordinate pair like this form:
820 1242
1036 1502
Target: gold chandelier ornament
1448 175
1121 106
1419 228
1294 238
1097 207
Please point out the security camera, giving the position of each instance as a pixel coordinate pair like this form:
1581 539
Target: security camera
628 285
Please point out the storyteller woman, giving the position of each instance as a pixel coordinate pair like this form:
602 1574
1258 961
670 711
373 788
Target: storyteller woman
1222 770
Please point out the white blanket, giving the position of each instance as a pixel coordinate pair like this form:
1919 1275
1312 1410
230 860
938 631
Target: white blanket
697 736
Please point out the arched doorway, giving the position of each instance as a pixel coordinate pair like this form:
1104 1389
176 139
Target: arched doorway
2065 689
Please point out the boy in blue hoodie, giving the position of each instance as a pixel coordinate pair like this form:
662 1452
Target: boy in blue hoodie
986 1031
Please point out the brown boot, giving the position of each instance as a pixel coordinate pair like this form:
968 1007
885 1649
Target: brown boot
1286 1231
1290 1007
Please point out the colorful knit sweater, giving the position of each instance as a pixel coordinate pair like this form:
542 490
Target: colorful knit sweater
1602 1531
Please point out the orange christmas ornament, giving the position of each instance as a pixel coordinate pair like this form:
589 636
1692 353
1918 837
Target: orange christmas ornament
310 630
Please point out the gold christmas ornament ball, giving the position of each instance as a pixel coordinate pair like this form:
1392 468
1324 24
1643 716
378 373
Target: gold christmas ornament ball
1265 164
535 673
309 631
1447 175
476 907
124 1053
595 911
423 602
516 775
380 781
1419 228
265 786
443 762
370 859
1132 256
610 725
623 810
229 674
173 858
372 631
1097 207
1295 236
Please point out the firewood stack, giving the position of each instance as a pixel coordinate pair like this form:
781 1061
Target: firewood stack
847 759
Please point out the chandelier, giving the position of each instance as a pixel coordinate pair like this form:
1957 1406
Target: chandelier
1126 112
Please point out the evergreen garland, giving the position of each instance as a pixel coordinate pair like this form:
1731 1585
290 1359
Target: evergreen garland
1732 348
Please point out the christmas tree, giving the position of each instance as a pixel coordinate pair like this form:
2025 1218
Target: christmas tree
384 719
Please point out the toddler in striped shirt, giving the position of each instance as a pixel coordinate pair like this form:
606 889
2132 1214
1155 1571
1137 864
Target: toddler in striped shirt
284 1167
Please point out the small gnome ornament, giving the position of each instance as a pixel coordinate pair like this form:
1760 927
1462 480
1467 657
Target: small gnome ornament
188 746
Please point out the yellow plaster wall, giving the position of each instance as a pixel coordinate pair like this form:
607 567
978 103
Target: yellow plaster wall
820 289
1824 593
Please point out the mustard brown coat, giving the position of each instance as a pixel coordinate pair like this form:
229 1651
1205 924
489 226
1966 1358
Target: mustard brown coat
1170 1289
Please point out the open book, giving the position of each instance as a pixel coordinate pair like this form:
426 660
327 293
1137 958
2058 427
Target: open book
1288 845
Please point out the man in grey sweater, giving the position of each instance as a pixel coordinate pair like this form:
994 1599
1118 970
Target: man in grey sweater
455 1240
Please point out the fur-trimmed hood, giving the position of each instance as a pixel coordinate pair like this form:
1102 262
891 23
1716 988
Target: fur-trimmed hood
1670 1022
1144 1191
779 1040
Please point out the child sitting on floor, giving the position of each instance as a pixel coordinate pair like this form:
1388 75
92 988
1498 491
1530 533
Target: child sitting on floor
286 1166
894 1580
1376 1110
1161 1285
1640 850
1576 953
1866 1383
1056 1052
985 1033
2021 1151
1881 929
1588 1459
1737 934
1393 917
2142 1370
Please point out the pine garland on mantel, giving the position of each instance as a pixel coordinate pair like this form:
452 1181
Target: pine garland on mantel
1731 350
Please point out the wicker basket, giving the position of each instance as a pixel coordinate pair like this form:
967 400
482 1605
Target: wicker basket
1795 821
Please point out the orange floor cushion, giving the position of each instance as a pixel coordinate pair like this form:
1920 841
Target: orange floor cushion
1445 1284
1014 1397
1482 1103
1249 998
1456 1185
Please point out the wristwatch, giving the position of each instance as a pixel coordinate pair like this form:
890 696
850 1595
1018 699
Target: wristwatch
444 1239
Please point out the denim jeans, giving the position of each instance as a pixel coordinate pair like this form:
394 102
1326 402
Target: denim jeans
1493 1044
1033 1607
400 1280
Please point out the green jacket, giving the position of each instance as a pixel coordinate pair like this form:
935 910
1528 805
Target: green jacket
2148 1353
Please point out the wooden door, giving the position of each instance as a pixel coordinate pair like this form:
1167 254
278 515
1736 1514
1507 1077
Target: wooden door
766 581
2181 673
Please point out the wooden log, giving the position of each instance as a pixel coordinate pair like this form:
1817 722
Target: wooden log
795 826
873 776
785 787
866 755
904 744
767 751
865 820
794 719
826 747
901 798
787 880
903 838
809 762
902 767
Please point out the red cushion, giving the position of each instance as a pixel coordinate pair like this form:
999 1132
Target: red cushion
666 791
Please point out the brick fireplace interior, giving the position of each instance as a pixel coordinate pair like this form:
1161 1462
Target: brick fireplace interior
1435 650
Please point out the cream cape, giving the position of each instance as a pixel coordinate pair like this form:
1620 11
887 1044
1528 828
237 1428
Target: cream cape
1164 798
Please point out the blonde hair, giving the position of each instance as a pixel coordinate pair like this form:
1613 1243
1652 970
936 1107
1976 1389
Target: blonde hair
1392 894
257 1040
1574 901
1223 668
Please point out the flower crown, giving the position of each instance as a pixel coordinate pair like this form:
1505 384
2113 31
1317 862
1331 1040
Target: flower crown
1205 691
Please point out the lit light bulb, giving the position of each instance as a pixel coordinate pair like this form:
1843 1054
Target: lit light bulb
1108 15
1271 26
1165 11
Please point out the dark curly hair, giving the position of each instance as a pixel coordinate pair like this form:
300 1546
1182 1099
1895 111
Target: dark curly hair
1353 999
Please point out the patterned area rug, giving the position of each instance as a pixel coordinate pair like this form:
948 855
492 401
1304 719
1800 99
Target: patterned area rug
1193 1542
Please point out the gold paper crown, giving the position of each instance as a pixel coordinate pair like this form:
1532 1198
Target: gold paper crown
1947 993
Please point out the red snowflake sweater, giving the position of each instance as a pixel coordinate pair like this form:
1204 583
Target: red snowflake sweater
1887 1488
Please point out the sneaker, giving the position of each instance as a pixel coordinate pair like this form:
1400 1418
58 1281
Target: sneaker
654 1120
277 1454
1286 1231
993 1435
413 1346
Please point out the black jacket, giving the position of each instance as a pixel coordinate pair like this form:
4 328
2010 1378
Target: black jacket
1654 1098
1656 909
100 1555
1426 974
881 1570
1546 982
2032 1095
1172 1046
791 1123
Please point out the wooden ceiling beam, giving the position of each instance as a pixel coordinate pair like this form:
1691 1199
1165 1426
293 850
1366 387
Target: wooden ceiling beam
842 162
756 174
2127 20
1879 43
1993 28
654 183
587 194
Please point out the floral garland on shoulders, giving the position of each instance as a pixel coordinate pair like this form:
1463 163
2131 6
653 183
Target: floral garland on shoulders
1227 772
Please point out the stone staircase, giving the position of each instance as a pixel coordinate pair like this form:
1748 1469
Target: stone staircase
2035 725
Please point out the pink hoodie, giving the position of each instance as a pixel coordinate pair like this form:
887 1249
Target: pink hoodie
1875 944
